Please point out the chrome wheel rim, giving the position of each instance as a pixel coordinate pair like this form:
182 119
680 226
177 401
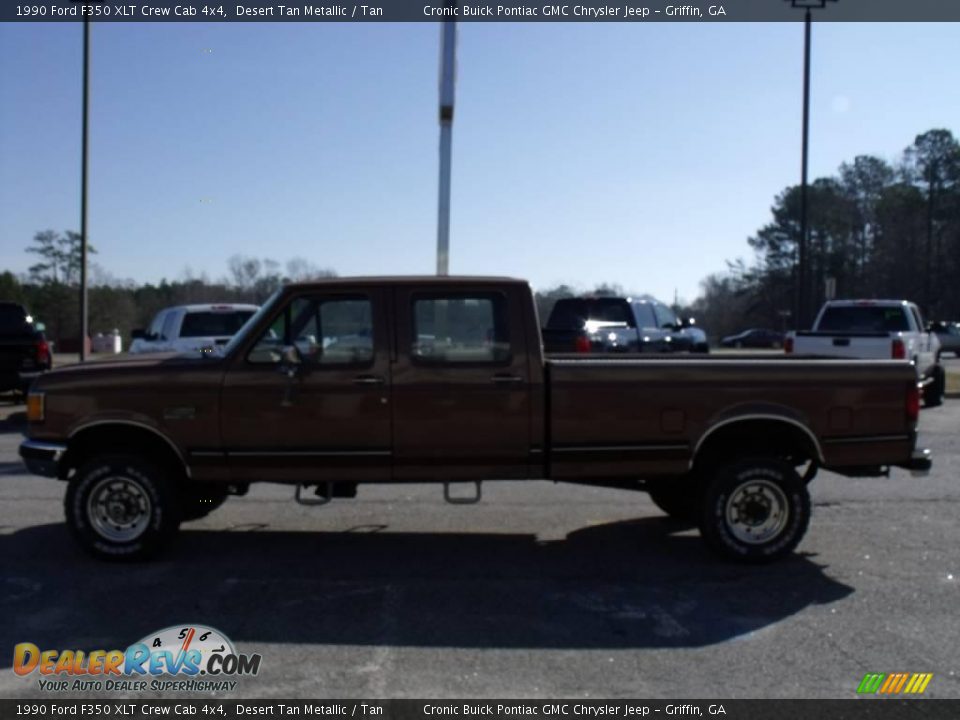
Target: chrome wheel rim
757 511
119 508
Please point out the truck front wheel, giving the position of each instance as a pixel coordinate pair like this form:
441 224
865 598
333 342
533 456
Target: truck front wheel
119 507
755 510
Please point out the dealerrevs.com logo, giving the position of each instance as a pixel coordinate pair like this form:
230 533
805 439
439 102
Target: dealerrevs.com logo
192 658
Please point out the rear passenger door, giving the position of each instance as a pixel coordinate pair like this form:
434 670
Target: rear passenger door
461 385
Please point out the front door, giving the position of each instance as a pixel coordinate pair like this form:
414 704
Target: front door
326 419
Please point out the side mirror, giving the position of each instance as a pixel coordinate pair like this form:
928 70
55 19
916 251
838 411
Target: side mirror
138 334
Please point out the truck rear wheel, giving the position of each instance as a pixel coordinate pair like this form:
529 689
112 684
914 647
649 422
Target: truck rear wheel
119 507
755 510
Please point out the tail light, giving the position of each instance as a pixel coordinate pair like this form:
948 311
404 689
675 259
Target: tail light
898 350
582 345
788 345
913 402
43 352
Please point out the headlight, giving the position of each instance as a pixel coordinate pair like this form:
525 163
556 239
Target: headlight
35 407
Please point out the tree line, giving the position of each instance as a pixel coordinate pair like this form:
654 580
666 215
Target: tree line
50 289
876 230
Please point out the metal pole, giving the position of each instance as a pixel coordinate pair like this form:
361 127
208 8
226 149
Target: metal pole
83 188
803 280
448 44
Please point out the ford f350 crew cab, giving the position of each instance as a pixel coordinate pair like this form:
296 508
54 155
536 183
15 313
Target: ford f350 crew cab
439 380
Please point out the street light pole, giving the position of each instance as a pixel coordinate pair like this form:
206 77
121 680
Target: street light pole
802 301
448 60
83 188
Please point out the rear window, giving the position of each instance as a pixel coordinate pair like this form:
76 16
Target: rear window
864 318
13 319
572 314
214 324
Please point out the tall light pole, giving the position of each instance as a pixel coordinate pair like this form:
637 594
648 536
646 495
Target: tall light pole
802 302
83 187
448 68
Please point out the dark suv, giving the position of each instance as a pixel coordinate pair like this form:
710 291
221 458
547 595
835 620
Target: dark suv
617 324
24 351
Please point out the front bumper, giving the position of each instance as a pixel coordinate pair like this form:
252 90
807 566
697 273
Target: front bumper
42 458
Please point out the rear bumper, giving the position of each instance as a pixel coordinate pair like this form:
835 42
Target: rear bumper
919 463
42 458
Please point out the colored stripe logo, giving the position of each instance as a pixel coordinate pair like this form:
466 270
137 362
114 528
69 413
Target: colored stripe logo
894 683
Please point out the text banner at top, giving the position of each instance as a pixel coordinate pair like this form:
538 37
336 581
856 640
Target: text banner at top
499 11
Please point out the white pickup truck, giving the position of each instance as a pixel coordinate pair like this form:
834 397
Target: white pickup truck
192 327
881 329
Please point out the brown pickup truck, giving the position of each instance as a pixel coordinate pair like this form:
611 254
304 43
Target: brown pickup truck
411 380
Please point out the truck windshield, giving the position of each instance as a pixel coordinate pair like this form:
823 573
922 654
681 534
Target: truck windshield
863 318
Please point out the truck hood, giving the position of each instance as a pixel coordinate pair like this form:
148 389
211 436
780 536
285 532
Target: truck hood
128 367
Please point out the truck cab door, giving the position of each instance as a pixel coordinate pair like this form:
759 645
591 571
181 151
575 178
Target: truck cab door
324 417
461 384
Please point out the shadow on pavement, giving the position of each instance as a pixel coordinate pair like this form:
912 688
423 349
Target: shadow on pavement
630 584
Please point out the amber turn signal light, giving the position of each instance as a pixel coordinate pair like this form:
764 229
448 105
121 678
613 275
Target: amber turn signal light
35 403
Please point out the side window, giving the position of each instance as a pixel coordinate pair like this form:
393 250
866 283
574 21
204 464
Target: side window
326 331
170 326
665 316
452 329
645 317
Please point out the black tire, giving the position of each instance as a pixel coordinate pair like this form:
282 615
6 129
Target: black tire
933 393
755 510
198 501
679 499
120 507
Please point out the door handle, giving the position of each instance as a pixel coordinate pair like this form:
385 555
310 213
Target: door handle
506 378
368 380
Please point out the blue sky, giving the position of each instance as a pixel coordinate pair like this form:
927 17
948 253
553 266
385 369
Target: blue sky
641 154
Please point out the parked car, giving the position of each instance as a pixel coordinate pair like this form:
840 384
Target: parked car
754 338
192 327
948 334
892 329
24 350
453 386
619 325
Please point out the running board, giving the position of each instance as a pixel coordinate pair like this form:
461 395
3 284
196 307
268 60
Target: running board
470 500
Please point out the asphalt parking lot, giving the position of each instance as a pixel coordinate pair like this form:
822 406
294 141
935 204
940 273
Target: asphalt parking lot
541 590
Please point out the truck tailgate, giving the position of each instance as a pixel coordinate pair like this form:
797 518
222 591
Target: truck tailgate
844 345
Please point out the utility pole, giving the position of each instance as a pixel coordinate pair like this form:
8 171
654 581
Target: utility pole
448 69
802 301
85 131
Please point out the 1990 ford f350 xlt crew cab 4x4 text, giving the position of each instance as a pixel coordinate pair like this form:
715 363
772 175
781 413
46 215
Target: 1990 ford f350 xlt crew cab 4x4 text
404 380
